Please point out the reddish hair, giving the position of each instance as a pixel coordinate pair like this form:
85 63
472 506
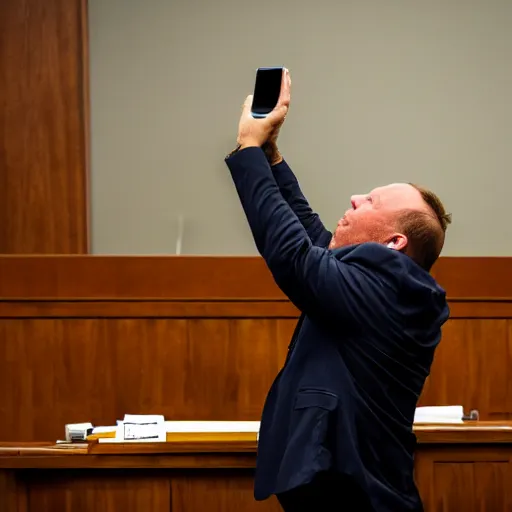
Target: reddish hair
425 230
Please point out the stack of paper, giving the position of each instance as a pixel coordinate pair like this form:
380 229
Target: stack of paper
143 428
212 426
138 427
439 414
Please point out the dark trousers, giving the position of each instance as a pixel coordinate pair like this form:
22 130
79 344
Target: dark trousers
327 492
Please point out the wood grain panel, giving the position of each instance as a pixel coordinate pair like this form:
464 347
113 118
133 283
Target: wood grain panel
98 370
117 491
472 367
227 491
492 483
473 477
43 133
452 482
9 491
471 486
192 338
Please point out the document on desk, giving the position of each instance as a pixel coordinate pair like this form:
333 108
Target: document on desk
141 429
153 429
207 427
446 414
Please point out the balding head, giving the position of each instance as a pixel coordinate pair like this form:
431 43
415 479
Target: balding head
404 216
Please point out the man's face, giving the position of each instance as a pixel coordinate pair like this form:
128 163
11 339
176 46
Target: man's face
373 217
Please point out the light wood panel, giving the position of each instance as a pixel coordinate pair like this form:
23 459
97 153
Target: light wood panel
44 128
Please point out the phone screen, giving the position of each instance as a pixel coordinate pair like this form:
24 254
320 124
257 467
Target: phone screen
266 90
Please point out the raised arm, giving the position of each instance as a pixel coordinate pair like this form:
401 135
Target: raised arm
317 282
292 194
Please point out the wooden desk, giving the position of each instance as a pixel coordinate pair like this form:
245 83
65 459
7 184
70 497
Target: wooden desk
458 468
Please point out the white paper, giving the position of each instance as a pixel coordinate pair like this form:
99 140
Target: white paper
212 426
103 430
439 414
116 440
143 418
136 428
189 427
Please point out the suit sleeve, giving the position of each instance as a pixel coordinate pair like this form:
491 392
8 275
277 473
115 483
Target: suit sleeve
291 192
319 284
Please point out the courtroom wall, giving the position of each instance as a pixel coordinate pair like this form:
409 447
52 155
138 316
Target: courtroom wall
382 92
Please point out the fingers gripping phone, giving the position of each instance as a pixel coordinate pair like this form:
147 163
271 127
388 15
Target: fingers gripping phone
266 91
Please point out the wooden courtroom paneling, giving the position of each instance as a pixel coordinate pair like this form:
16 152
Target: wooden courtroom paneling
231 491
461 486
457 467
135 491
211 277
44 126
90 338
99 369
473 366
122 491
470 478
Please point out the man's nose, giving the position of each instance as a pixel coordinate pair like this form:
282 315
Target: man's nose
356 201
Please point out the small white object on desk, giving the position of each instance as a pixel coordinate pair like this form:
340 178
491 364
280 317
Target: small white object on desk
77 431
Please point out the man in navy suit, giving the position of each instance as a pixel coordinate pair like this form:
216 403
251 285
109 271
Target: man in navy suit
336 430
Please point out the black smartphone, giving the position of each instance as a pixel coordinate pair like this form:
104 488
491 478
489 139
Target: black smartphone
266 91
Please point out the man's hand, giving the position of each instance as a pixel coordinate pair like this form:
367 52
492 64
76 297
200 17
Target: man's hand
256 132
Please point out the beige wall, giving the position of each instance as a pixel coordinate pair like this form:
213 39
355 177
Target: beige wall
383 91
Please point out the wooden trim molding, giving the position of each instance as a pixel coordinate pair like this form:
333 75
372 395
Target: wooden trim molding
84 84
207 278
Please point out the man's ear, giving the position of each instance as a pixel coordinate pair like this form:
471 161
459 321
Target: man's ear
397 242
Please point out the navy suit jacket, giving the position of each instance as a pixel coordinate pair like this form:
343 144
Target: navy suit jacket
371 320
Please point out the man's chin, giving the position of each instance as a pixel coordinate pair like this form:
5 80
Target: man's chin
335 243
